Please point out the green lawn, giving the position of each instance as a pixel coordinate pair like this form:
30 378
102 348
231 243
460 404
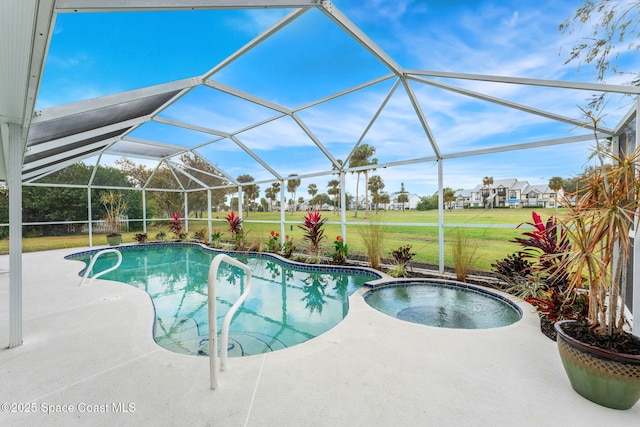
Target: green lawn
492 243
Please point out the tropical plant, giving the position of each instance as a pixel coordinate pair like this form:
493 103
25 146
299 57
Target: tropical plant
235 224
288 246
313 190
487 182
292 185
215 239
140 237
361 156
556 305
513 268
313 226
115 206
273 244
547 246
176 227
251 192
341 251
373 238
200 235
598 226
403 197
333 189
376 184
401 258
556 183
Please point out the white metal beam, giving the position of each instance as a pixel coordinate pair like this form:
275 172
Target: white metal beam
350 28
316 141
256 157
385 101
345 92
255 42
422 118
72 6
188 126
180 168
222 172
530 82
510 104
246 96
523 146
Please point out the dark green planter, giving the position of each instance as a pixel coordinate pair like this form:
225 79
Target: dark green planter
607 378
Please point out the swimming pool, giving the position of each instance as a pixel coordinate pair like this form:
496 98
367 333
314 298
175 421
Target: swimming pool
289 303
444 304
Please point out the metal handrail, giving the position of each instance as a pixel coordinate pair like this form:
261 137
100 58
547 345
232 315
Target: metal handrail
102 273
213 325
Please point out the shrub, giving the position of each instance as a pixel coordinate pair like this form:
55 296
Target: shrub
341 251
176 227
287 247
200 235
373 239
215 239
140 237
464 252
273 244
401 258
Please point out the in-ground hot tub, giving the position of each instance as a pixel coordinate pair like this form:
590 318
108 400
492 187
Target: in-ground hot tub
443 303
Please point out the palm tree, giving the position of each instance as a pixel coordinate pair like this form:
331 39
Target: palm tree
449 196
334 190
556 183
487 181
375 185
313 190
403 197
361 156
251 192
292 186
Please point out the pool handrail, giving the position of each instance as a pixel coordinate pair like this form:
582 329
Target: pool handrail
93 261
213 325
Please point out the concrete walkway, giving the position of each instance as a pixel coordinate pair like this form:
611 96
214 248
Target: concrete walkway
89 351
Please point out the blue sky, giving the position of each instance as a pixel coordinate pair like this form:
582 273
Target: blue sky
103 53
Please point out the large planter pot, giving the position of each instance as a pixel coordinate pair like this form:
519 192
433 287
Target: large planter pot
607 378
114 239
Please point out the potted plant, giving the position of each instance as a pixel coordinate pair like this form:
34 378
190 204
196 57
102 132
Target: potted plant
114 206
601 359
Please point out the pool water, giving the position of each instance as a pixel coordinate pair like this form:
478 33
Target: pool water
288 303
444 305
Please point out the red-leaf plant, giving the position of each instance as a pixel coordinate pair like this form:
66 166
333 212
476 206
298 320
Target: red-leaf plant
547 246
314 231
235 224
175 226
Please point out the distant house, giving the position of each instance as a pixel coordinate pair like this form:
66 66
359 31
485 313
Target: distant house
507 193
414 199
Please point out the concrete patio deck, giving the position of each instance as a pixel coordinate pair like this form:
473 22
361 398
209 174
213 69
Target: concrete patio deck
90 350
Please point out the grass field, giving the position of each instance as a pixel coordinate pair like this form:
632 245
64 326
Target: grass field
491 240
